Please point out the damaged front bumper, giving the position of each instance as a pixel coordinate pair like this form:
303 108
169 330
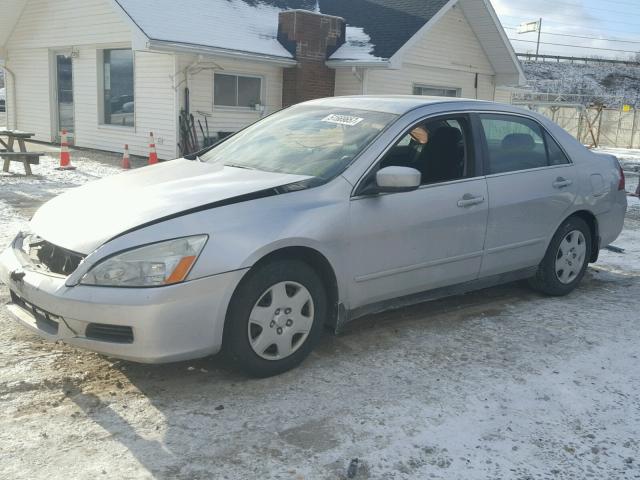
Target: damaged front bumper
148 325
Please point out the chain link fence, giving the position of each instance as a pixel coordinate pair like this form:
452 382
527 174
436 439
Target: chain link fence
594 124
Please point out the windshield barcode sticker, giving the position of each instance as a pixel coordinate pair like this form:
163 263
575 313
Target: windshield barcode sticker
342 119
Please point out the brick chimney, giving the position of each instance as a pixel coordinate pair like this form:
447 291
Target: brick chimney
311 38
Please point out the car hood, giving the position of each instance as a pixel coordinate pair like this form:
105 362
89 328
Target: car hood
84 218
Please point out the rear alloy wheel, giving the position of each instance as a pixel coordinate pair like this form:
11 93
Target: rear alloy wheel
570 256
566 259
275 317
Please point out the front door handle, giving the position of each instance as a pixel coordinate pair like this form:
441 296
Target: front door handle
561 182
469 200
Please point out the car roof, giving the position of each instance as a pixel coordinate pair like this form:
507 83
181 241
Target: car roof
398 104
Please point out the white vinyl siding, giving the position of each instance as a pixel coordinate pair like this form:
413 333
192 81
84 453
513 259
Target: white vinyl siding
449 55
154 94
31 69
398 82
503 95
68 22
200 83
45 27
452 45
154 108
348 82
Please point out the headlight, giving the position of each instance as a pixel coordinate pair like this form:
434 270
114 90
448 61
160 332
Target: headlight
152 265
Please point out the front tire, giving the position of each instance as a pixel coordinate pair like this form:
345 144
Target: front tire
275 318
566 259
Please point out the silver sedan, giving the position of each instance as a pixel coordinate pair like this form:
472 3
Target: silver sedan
314 216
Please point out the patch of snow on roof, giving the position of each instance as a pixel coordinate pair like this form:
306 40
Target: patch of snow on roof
357 47
229 24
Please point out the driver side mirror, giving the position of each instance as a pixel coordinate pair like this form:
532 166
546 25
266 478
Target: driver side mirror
394 179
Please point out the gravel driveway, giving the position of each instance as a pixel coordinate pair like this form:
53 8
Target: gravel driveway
501 383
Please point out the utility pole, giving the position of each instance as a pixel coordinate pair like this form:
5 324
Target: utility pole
539 33
530 27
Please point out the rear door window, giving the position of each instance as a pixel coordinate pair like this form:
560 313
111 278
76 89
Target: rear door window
518 143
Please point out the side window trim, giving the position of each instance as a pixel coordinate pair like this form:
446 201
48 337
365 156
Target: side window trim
548 137
471 143
484 145
479 145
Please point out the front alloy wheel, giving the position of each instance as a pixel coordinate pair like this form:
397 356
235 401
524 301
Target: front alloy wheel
281 320
275 317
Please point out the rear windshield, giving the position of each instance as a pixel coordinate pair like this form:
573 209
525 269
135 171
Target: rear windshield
303 140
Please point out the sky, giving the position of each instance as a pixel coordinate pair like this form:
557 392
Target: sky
601 19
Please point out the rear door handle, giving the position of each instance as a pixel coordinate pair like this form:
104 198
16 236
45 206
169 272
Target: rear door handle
469 200
561 182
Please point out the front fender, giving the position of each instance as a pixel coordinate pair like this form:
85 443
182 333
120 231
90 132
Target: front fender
242 233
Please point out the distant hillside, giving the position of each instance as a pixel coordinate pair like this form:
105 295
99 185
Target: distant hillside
599 83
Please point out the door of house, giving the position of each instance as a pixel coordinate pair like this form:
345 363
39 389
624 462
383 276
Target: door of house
64 95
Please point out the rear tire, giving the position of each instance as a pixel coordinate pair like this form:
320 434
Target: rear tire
566 259
275 318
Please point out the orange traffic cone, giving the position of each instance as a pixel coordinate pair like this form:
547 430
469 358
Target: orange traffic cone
153 156
65 156
126 164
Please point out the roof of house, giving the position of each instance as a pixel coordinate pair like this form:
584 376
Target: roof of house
389 24
376 29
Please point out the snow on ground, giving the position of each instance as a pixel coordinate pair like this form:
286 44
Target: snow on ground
629 159
497 384
28 192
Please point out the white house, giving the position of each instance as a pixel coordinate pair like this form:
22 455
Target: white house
111 71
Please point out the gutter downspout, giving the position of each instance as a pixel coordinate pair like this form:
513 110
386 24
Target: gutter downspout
476 85
13 95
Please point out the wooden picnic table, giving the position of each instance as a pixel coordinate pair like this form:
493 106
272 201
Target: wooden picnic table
8 153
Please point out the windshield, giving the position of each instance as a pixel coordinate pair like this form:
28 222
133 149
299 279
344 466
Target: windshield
302 140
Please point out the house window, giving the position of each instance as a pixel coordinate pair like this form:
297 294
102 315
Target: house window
236 90
436 91
117 86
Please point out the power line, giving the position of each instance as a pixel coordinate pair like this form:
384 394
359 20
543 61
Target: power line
582 36
632 4
574 46
626 14
558 22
